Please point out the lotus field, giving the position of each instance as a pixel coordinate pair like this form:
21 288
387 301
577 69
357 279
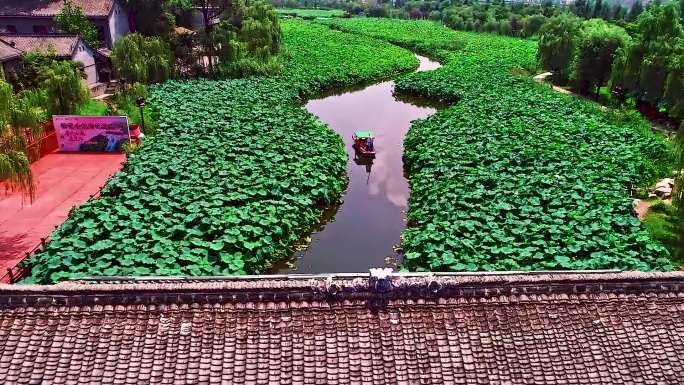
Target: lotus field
239 172
511 176
515 176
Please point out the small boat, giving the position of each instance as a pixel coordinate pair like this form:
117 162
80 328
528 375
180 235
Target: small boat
363 143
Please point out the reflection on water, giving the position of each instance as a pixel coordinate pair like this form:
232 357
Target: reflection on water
368 224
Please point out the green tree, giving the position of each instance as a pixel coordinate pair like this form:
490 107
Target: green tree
651 67
581 8
598 9
211 10
155 17
71 20
635 11
140 59
64 88
248 41
597 44
557 45
17 114
678 193
532 24
30 72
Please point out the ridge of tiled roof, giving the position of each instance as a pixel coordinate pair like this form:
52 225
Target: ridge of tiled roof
328 287
63 45
548 328
50 8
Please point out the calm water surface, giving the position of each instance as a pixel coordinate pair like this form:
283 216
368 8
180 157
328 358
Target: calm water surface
363 231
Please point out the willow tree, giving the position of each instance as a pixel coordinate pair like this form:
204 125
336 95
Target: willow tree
651 67
17 114
597 43
557 45
260 29
248 40
140 59
64 88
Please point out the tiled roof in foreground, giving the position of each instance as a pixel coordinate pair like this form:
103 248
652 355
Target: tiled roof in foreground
612 328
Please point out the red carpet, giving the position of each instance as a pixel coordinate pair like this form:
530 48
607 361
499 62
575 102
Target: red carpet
63 181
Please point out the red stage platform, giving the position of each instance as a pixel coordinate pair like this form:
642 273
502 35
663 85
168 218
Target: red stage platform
63 181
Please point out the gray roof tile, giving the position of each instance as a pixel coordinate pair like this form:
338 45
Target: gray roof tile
62 45
618 328
91 8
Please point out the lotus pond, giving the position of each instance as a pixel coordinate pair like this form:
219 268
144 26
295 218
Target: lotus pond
239 172
511 176
515 176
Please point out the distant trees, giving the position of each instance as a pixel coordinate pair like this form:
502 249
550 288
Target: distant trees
71 20
597 43
557 45
645 60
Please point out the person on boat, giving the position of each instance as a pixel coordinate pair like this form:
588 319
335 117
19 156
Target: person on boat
369 144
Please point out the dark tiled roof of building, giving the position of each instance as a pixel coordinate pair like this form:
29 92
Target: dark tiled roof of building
7 52
62 45
49 8
618 328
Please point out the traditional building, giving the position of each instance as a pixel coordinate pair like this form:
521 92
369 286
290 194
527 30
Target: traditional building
537 328
9 58
69 47
25 17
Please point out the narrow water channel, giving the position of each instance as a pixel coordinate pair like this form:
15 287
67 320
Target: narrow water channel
365 229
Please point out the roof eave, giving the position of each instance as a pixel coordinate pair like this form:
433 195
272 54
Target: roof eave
105 17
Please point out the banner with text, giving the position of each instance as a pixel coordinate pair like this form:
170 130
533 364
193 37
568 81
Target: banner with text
91 133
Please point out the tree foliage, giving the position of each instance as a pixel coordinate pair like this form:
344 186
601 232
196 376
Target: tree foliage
635 11
244 42
154 17
17 114
597 44
30 73
679 190
533 24
557 45
140 59
64 88
652 66
71 20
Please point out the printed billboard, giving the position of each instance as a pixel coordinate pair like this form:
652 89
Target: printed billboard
91 133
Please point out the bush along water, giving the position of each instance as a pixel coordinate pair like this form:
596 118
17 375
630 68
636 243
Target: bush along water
515 176
237 172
